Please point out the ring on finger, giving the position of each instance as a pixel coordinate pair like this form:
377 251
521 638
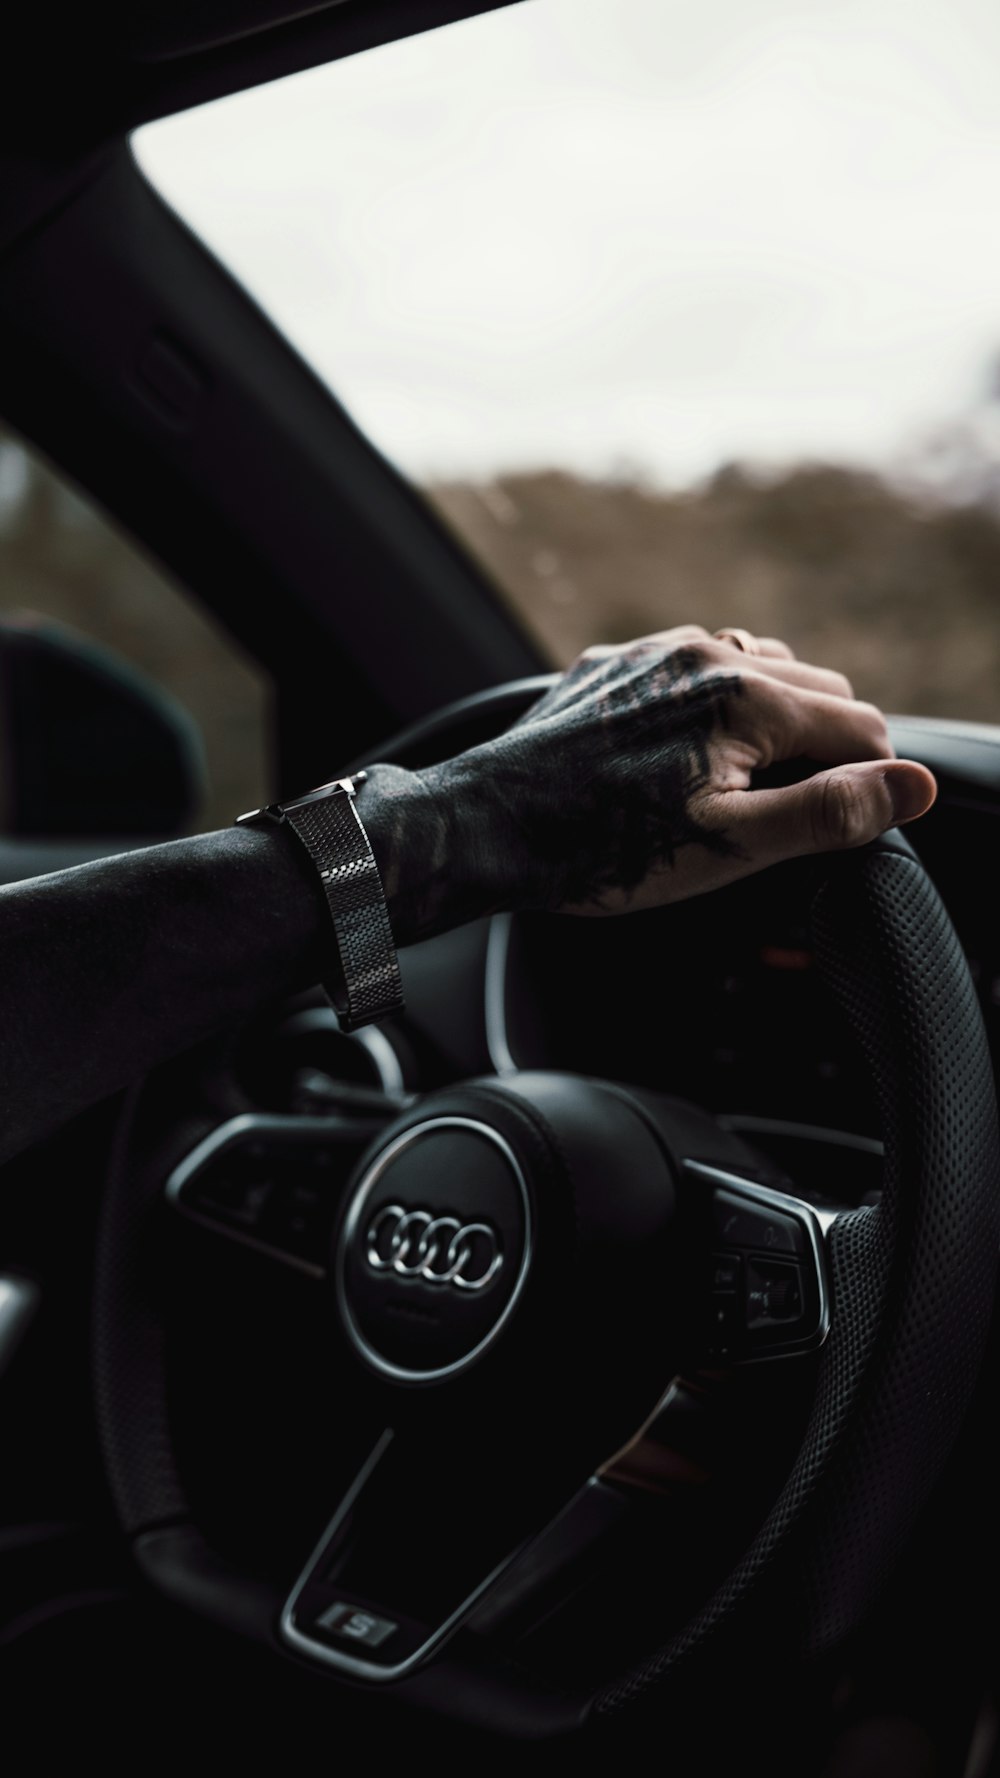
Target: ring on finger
741 639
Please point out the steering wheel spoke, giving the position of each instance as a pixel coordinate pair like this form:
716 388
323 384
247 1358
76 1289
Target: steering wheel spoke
273 1184
404 1561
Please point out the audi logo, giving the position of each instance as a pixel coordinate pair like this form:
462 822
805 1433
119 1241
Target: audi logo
439 1249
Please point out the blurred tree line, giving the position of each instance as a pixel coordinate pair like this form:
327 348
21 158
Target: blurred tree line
897 587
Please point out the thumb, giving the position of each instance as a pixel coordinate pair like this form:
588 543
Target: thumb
831 812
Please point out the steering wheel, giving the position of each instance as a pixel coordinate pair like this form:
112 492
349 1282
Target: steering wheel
530 1274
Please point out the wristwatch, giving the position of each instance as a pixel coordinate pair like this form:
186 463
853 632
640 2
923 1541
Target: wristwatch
363 982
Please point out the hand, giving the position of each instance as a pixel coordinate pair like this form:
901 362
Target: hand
631 779
628 785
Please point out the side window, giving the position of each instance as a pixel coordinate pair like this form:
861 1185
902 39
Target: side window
63 563
892 586
677 313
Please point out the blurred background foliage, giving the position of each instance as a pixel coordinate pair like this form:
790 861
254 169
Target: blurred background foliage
895 583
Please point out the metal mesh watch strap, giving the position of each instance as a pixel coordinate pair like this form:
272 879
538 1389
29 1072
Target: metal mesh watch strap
333 834
364 983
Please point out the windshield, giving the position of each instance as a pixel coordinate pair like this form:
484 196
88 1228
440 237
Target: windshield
678 314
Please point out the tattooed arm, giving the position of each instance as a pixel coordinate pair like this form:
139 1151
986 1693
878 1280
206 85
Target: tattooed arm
626 786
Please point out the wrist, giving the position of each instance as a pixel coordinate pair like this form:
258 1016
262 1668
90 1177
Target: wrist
435 836
360 969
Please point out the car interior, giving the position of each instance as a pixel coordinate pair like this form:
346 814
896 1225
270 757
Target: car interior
676 1439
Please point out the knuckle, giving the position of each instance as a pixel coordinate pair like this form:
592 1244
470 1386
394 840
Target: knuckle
765 714
675 637
703 653
842 814
686 633
685 638
715 652
771 701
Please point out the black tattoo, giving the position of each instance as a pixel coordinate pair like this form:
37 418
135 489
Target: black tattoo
590 791
112 966
602 803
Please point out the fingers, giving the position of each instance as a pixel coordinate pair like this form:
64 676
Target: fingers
772 649
793 672
765 654
754 646
831 812
749 647
786 722
770 657
780 708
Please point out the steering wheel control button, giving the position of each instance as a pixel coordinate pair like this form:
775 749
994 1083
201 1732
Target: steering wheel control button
725 1326
355 1625
774 1294
726 1314
434 1249
766 1276
725 1273
269 1182
741 1223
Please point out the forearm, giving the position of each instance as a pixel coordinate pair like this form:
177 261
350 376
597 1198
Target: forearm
628 785
116 965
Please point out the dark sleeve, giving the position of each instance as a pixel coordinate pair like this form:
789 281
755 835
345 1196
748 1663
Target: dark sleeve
117 965
114 966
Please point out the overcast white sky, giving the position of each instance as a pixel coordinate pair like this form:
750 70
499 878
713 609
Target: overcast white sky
580 231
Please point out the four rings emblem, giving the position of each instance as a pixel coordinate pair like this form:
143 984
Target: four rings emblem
439 1249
